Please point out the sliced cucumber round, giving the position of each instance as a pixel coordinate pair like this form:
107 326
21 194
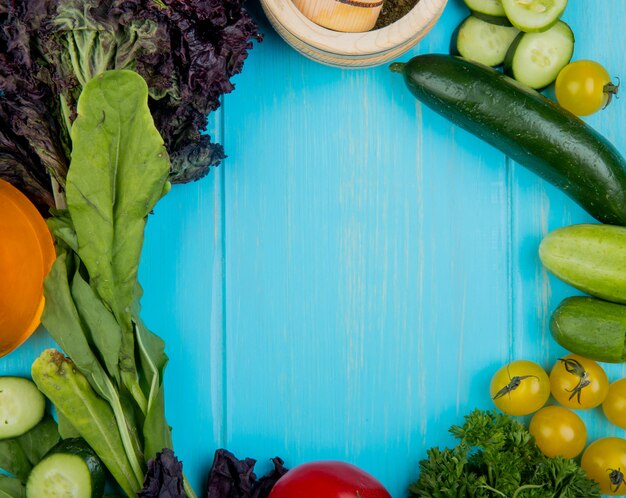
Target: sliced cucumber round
22 406
70 470
535 59
534 15
483 42
489 7
60 476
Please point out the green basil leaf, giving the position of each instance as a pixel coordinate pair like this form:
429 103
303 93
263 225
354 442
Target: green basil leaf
37 442
10 487
13 459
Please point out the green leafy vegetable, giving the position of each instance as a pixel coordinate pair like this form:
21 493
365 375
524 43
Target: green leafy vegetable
13 459
497 457
66 429
93 418
119 171
39 440
10 487
19 455
107 336
111 392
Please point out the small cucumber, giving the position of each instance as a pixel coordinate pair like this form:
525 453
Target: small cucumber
536 59
22 406
591 258
483 42
70 470
534 15
526 126
591 328
488 7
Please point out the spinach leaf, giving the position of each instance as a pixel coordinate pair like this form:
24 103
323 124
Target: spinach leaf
61 226
66 429
93 418
61 320
104 332
156 431
10 487
118 173
13 459
39 440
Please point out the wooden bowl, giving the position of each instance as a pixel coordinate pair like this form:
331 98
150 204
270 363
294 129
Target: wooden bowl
368 49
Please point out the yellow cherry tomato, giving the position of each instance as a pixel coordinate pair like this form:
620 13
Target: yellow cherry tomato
614 405
584 87
520 388
578 382
558 432
604 461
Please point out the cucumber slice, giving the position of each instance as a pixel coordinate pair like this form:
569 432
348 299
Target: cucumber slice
70 470
489 7
22 406
61 476
534 15
535 59
482 42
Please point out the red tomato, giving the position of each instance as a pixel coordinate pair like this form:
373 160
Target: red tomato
328 480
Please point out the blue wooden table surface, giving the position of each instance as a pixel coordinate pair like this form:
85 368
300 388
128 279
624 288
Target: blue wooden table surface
346 284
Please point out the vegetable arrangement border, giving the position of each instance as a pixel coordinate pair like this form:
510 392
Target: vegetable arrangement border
84 100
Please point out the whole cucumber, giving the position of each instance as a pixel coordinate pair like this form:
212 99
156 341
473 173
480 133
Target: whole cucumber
526 126
591 328
591 258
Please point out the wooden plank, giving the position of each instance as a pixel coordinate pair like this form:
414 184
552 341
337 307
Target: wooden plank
182 275
366 263
538 208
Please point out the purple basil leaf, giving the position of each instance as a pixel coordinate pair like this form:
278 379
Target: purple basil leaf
164 478
230 477
186 50
266 483
233 478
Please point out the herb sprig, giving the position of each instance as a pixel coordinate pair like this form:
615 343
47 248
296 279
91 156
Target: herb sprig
497 458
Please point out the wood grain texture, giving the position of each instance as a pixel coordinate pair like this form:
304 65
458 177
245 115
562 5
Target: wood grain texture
347 283
363 236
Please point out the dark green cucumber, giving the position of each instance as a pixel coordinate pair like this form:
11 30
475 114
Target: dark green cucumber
526 126
497 20
487 7
591 328
70 469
